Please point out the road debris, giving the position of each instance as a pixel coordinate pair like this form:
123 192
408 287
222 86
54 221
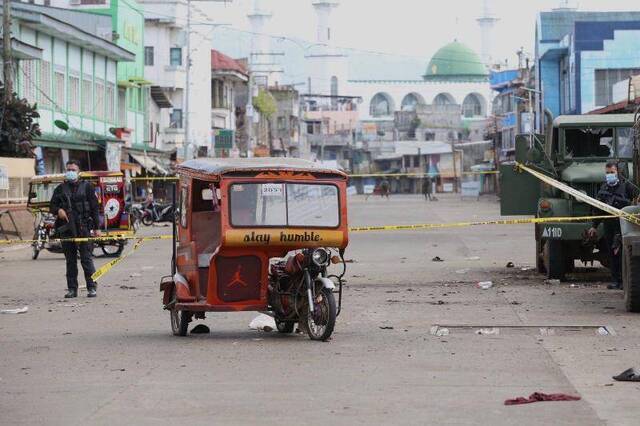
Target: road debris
386 327
439 331
488 331
437 259
462 271
263 322
485 285
473 258
628 375
22 310
510 265
541 397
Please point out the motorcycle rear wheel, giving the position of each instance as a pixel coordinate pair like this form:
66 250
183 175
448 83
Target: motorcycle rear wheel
147 220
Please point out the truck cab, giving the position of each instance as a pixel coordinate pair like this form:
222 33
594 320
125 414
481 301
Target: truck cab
574 151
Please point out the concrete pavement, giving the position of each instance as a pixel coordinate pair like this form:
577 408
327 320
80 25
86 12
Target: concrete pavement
113 359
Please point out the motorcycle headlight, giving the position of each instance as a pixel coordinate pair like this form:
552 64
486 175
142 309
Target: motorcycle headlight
320 257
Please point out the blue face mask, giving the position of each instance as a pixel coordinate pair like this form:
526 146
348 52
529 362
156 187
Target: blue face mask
71 176
612 179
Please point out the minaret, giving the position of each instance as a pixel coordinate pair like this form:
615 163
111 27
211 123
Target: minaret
262 60
487 23
326 68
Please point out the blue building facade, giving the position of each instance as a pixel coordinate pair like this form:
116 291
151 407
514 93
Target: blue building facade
581 55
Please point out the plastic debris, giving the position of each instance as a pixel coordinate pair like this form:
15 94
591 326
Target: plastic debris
485 285
510 265
488 331
386 327
437 259
135 275
263 322
629 375
602 331
23 310
473 258
439 331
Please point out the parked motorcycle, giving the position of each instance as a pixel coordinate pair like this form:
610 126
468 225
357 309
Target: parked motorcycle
158 213
301 292
43 234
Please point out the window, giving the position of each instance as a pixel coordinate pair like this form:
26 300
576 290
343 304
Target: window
110 100
99 110
334 86
583 143
87 95
380 106
44 95
58 79
471 106
410 102
74 94
29 80
148 55
175 56
219 95
310 128
122 107
175 119
279 204
282 123
605 79
443 99
625 142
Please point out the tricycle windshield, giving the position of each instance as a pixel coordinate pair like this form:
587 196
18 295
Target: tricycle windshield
284 204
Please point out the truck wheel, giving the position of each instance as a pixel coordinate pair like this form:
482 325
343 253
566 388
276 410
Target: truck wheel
554 260
631 277
539 255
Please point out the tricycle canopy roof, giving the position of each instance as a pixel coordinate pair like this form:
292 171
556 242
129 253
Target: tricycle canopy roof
222 166
599 120
59 177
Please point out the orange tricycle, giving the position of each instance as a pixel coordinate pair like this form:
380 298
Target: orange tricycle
259 234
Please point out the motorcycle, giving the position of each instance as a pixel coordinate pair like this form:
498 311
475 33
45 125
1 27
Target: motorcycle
44 233
301 292
158 213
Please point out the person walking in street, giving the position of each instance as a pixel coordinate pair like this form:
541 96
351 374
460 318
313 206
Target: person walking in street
75 204
427 187
385 188
618 194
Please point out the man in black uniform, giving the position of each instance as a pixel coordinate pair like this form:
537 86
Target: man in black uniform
617 194
76 206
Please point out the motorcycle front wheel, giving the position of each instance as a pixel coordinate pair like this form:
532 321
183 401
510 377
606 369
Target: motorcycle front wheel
36 246
112 250
147 220
320 324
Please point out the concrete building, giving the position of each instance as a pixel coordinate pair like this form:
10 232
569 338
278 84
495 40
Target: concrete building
228 78
67 64
165 56
580 56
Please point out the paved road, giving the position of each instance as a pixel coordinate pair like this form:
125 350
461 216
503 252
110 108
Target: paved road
113 360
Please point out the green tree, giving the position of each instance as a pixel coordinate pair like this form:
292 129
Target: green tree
17 126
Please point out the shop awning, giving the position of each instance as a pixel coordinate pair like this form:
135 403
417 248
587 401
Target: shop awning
47 140
150 164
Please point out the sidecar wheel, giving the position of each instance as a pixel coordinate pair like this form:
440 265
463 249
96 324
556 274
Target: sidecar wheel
180 322
320 325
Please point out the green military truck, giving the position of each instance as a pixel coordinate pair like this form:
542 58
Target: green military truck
574 151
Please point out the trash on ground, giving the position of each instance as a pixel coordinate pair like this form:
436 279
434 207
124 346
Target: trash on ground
473 258
439 331
629 375
23 310
488 331
135 275
437 259
263 322
526 268
602 331
485 285
554 282
200 329
386 327
510 265
126 287
462 271
540 397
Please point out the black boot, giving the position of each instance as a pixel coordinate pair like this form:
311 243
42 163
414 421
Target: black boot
71 293
91 292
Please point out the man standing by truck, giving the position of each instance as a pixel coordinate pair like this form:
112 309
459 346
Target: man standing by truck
618 194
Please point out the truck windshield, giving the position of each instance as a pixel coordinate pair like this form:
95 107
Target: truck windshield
625 142
585 143
280 204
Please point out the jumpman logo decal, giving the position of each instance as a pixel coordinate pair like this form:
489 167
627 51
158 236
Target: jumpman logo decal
236 280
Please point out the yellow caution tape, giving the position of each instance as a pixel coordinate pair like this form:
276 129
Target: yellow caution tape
107 266
580 196
422 175
478 223
91 239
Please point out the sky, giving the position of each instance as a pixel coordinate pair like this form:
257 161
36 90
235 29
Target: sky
407 32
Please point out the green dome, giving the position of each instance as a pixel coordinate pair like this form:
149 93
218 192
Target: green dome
455 61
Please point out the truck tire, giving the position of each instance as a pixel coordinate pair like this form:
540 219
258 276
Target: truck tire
631 278
539 254
554 260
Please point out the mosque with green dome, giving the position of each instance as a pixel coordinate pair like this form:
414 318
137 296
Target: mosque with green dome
455 75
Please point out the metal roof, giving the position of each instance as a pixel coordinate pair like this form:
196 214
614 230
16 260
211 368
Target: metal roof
217 166
594 120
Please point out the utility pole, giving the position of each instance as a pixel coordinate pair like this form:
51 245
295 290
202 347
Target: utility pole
6 50
187 127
